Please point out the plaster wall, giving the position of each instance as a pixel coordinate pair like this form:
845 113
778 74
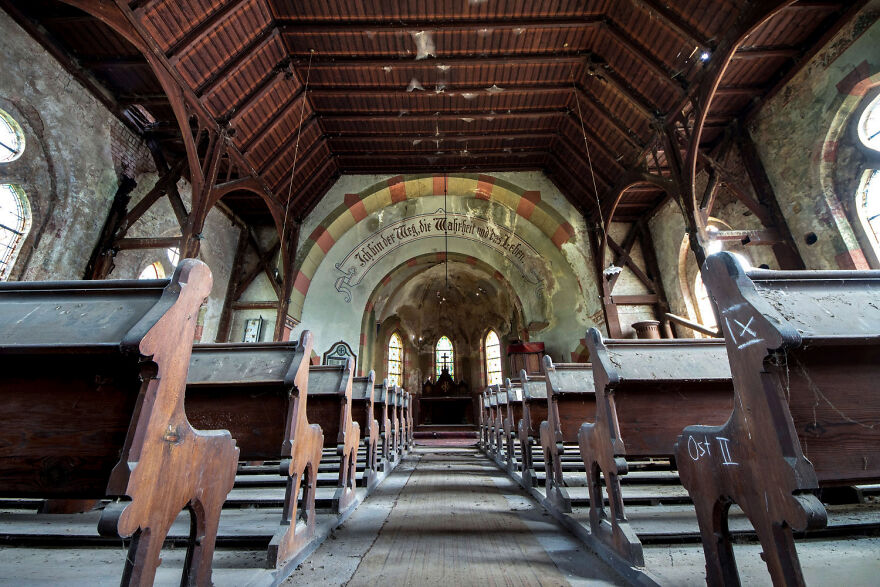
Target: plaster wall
795 136
67 169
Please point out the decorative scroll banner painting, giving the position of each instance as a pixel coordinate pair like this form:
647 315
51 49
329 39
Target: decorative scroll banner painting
366 254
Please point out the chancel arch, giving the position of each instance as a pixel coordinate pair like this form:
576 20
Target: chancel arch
521 240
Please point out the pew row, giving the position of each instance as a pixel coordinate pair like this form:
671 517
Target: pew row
571 401
260 393
646 392
93 404
329 406
534 411
803 348
501 452
512 416
364 413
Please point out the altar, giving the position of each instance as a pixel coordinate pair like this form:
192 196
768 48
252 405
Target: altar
445 402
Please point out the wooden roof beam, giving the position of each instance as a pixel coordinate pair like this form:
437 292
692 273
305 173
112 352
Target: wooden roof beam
604 74
644 56
766 53
677 24
628 133
202 31
290 141
262 39
293 26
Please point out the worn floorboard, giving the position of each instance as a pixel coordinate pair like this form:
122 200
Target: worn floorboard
457 520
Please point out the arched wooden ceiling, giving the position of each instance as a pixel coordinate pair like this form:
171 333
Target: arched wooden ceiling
433 85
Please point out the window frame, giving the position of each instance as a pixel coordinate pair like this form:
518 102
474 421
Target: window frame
437 370
487 358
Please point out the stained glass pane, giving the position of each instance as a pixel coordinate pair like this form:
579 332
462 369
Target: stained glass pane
395 360
444 357
493 358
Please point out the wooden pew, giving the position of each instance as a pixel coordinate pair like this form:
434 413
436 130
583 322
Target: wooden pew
363 412
394 414
92 402
571 401
512 416
404 425
380 409
493 420
803 349
410 439
534 411
260 392
501 453
646 392
482 417
329 405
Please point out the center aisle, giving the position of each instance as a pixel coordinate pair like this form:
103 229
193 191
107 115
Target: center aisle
449 516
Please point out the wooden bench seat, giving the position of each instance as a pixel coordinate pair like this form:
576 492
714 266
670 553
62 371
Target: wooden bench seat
501 449
329 406
803 349
646 392
380 411
571 401
259 392
534 411
363 412
513 414
92 402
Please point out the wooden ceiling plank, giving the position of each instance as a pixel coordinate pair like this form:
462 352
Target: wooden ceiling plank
202 30
329 27
263 38
604 74
656 67
681 27
290 141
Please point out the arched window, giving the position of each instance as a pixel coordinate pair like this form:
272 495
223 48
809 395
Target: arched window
11 138
444 357
395 360
869 206
869 125
15 222
493 358
154 271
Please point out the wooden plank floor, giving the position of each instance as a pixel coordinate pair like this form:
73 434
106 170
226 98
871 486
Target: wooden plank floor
451 518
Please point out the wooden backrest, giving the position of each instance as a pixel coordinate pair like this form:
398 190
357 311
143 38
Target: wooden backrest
362 406
534 401
571 397
77 358
817 335
249 389
329 405
649 390
514 401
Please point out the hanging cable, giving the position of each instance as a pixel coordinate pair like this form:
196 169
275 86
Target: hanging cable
611 269
295 153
